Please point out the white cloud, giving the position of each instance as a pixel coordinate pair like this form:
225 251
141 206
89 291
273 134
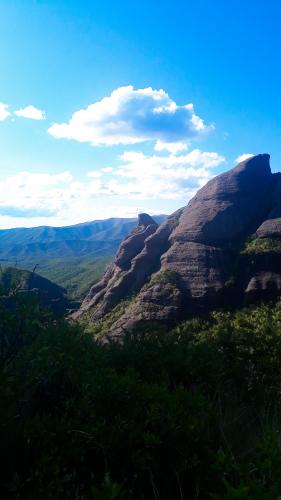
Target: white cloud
130 116
165 182
95 174
33 191
4 113
168 177
31 112
107 170
171 147
243 157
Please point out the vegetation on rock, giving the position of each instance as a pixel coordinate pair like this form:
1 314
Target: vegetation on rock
256 246
165 277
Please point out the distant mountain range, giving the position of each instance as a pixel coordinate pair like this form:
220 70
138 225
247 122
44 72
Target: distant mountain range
73 257
96 238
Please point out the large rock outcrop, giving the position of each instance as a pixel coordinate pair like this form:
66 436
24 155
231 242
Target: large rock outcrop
271 227
188 262
227 205
120 280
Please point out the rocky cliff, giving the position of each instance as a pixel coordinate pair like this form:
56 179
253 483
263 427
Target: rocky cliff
223 247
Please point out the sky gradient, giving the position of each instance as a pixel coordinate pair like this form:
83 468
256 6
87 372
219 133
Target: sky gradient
109 110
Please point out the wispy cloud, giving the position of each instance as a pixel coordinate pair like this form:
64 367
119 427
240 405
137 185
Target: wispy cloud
4 113
171 147
130 116
31 112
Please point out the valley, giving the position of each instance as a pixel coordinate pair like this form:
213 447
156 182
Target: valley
73 257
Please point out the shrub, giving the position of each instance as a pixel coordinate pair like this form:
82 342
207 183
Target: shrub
192 412
258 246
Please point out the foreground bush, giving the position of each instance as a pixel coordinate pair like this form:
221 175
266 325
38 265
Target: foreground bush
189 413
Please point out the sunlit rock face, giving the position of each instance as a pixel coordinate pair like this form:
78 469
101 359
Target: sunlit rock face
228 205
187 263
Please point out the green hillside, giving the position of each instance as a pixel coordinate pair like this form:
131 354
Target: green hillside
49 294
76 275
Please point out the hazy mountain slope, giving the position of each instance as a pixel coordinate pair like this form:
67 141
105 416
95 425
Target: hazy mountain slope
73 257
97 238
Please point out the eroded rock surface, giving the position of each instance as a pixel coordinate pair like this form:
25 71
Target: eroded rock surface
271 227
120 279
228 205
186 262
263 286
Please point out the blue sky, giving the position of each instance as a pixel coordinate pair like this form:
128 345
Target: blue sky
74 155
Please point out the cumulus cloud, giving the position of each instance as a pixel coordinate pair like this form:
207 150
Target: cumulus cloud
131 116
107 170
95 174
28 192
4 113
169 177
171 147
63 199
243 157
31 112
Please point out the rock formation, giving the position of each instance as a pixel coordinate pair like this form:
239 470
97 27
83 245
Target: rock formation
271 227
194 259
120 279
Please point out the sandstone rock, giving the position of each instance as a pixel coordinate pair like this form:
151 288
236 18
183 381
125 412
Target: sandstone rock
203 269
118 280
185 263
118 283
228 205
271 227
160 302
134 243
263 286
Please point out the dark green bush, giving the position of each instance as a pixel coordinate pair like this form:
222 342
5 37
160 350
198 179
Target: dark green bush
188 413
